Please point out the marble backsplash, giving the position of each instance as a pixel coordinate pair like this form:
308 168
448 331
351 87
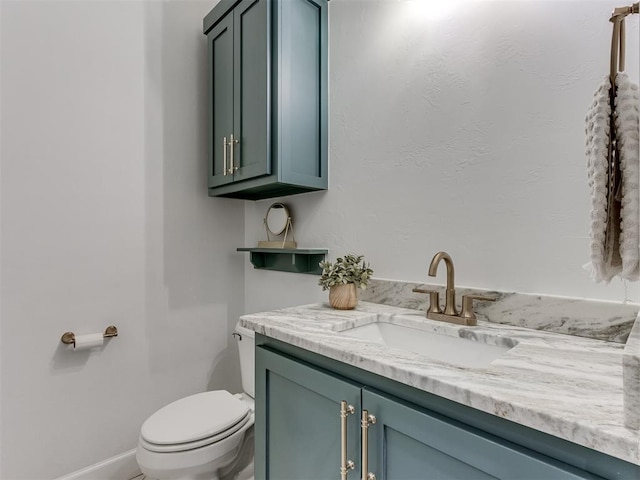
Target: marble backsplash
609 321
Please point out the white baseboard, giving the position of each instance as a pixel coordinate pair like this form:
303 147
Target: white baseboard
120 467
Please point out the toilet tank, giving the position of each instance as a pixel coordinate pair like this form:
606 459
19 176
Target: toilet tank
246 348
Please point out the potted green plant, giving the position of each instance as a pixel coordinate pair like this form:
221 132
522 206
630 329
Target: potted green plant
343 278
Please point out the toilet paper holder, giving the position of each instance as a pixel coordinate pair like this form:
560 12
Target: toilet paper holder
69 338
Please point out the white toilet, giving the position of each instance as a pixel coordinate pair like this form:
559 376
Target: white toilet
203 436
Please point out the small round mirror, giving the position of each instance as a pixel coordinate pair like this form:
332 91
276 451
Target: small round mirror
277 218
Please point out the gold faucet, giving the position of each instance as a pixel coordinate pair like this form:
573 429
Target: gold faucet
450 313
450 300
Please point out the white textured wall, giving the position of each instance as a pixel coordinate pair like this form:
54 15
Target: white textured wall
461 133
105 219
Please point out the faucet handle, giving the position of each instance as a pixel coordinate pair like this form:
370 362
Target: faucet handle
434 299
422 290
467 305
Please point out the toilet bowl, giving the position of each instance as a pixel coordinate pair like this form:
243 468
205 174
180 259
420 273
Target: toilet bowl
202 436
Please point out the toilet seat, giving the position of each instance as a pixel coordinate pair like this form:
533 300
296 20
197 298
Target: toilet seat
194 422
181 447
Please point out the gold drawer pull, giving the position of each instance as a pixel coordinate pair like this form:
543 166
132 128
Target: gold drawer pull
232 143
225 170
345 465
366 421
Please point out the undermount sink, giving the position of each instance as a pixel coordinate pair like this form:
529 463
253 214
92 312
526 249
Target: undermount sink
453 350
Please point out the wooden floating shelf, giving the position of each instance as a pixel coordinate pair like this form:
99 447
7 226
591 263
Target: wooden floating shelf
294 260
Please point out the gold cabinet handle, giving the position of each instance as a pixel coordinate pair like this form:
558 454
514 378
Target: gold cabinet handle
345 465
232 143
225 170
365 422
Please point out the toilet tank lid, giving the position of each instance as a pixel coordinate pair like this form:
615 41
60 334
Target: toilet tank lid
245 331
194 418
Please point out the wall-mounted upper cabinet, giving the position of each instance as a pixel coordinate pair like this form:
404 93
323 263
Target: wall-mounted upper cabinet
268 104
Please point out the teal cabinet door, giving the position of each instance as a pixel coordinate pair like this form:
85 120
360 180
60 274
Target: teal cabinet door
409 443
220 40
239 46
251 106
298 422
302 92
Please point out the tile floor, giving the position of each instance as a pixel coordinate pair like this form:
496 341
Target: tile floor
244 475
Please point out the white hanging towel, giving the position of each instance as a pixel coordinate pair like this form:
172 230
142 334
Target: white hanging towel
597 129
627 118
613 169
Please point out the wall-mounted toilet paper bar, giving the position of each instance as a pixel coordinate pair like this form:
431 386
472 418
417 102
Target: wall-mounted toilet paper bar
69 338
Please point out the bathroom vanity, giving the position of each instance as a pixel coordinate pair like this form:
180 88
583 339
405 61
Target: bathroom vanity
543 405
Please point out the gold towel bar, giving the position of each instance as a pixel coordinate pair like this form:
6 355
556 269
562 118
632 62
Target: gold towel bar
69 338
624 11
618 39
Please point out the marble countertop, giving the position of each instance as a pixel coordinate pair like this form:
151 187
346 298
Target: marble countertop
567 386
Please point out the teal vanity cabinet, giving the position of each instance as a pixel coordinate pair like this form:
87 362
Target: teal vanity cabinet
414 435
267 65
